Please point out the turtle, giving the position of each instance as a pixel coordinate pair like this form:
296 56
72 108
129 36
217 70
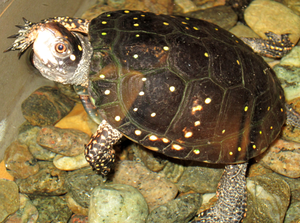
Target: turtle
179 86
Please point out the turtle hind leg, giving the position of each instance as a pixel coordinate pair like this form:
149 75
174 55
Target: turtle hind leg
99 152
232 197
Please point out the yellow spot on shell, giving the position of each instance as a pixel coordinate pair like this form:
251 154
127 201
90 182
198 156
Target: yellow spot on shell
117 118
197 123
135 24
207 100
177 147
126 11
254 146
188 134
246 108
230 153
104 22
153 114
165 140
166 24
196 151
172 88
153 138
166 48
138 132
239 149
206 54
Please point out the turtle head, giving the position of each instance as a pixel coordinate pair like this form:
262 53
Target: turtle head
59 54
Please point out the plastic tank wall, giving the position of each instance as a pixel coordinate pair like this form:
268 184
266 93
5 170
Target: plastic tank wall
18 79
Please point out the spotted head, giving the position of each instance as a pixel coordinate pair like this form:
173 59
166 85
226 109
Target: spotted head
62 52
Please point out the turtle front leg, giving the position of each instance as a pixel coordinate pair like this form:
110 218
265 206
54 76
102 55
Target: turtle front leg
232 197
99 152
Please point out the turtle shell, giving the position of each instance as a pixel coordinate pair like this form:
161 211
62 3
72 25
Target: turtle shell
183 87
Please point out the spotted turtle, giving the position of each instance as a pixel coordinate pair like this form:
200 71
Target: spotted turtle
179 86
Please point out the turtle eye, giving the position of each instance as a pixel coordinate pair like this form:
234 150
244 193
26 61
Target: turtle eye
60 48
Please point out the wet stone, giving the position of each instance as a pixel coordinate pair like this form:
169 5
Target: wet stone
155 189
268 199
27 212
117 203
223 16
294 185
200 179
147 156
283 157
48 181
9 198
68 163
76 218
19 161
52 209
181 209
74 206
263 16
46 106
28 138
173 171
81 183
292 215
67 142
68 90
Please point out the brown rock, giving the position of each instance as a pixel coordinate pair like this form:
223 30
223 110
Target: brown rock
67 142
46 106
19 161
155 189
283 157
75 207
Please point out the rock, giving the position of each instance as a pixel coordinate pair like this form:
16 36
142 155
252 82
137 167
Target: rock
68 90
263 16
78 219
117 203
78 119
292 215
67 142
241 30
26 213
48 181
258 169
74 206
3 172
9 198
46 106
288 72
283 157
173 171
294 185
268 199
199 179
155 189
155 164
81 183
181 209
28 138
222 16
19 161
52 209
68 163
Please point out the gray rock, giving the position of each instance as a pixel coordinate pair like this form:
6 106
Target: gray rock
48 181
27 213
117 203
292 215
180 210
199 179
268 199
9 198
52 209
81 183
28 138
155 189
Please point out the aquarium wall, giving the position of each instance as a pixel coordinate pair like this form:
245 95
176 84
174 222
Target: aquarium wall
18 77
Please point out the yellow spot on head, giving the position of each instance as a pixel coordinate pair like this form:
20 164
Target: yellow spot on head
79 47
72 57
207 100
177 147
196 108
144 79
135 109
138 132
117 118
153 138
